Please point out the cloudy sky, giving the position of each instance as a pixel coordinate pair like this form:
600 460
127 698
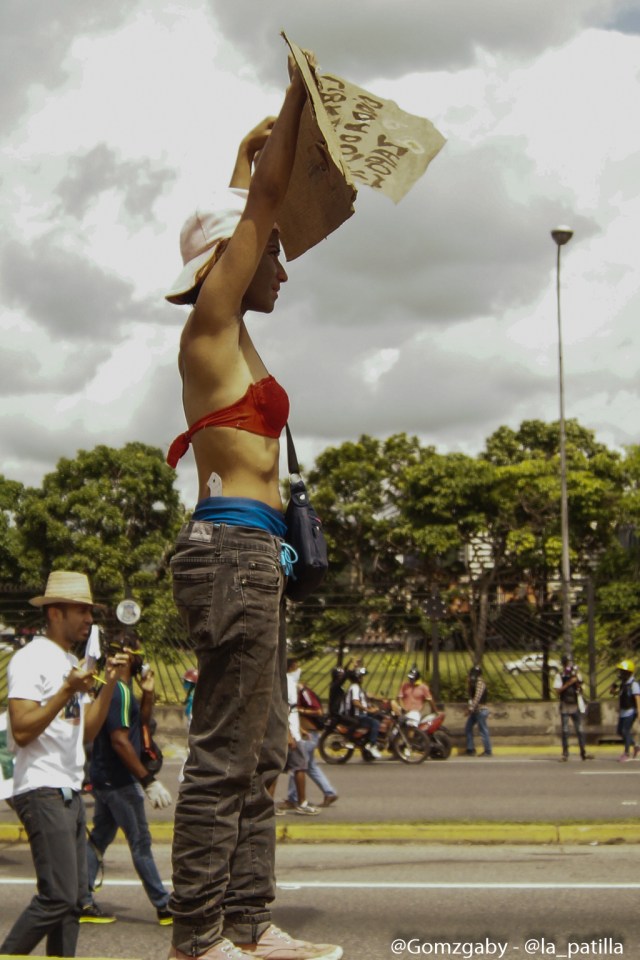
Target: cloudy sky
436 316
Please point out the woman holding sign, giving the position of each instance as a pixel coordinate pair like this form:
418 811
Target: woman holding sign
230 564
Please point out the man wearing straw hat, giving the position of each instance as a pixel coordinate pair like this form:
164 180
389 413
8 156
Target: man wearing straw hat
51 716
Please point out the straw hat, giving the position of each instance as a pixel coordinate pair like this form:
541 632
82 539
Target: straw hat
199 235
64 586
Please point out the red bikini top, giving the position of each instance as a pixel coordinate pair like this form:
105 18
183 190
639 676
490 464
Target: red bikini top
264 409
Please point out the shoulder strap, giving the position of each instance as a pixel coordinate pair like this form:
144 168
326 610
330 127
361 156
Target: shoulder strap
292 459
125 703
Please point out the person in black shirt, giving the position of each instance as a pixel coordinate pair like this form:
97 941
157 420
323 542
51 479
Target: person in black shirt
477 713
568 687
120 782
336 692
627 690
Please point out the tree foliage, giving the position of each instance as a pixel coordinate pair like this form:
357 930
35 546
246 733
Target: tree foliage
356 488
404 524
11 493
108 512
113 514
403 520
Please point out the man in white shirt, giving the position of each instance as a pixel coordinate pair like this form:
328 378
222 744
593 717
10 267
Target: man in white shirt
357 705
297 761
51 717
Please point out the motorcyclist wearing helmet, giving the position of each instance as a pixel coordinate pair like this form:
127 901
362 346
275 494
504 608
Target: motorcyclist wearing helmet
357 706
338 701
413 696
336 692
568 688
627 690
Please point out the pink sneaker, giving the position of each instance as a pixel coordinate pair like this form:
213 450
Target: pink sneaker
624 758
276 945
224 950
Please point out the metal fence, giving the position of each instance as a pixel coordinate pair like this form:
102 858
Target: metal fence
520 656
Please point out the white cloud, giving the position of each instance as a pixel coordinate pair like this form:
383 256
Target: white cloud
435 317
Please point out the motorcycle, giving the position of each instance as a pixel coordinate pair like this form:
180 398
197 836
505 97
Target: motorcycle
439 738
342 737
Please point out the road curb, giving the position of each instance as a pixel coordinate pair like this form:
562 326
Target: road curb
447 832
462 832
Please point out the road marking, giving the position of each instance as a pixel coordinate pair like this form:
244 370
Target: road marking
7 881
371 885
607 773
383 885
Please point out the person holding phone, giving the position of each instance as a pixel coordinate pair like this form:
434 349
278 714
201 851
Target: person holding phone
51 716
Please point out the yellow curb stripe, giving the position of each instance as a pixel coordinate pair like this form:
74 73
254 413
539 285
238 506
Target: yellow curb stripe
479 832
624 832
448 832
489 833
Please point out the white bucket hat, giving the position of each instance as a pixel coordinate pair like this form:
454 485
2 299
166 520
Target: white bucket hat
65 586
200 233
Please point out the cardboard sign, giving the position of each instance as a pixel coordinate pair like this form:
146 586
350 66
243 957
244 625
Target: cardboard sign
321 192
347 133
382 145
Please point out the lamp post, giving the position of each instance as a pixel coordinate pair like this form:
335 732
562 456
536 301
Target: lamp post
561 236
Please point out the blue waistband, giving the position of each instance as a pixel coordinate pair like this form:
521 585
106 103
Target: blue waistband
241 512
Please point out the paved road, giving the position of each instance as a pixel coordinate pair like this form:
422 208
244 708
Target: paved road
525 788
427 894
367 897
528 788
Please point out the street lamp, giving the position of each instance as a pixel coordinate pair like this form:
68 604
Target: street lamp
561 236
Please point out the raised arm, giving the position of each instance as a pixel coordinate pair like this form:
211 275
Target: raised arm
96 712
250 147
220 299
147 685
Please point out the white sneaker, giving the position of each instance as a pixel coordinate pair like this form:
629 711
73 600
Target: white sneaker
374 751
274 944
224 950
306 810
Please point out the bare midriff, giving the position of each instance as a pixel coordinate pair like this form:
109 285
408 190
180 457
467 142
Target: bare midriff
247 464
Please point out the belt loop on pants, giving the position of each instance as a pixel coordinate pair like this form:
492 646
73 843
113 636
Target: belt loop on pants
219 532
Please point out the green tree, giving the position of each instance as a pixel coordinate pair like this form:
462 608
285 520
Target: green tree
537 440
355 488
111 513
452 509
529 476
11 493
617 573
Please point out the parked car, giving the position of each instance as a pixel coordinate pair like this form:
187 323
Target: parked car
530 663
